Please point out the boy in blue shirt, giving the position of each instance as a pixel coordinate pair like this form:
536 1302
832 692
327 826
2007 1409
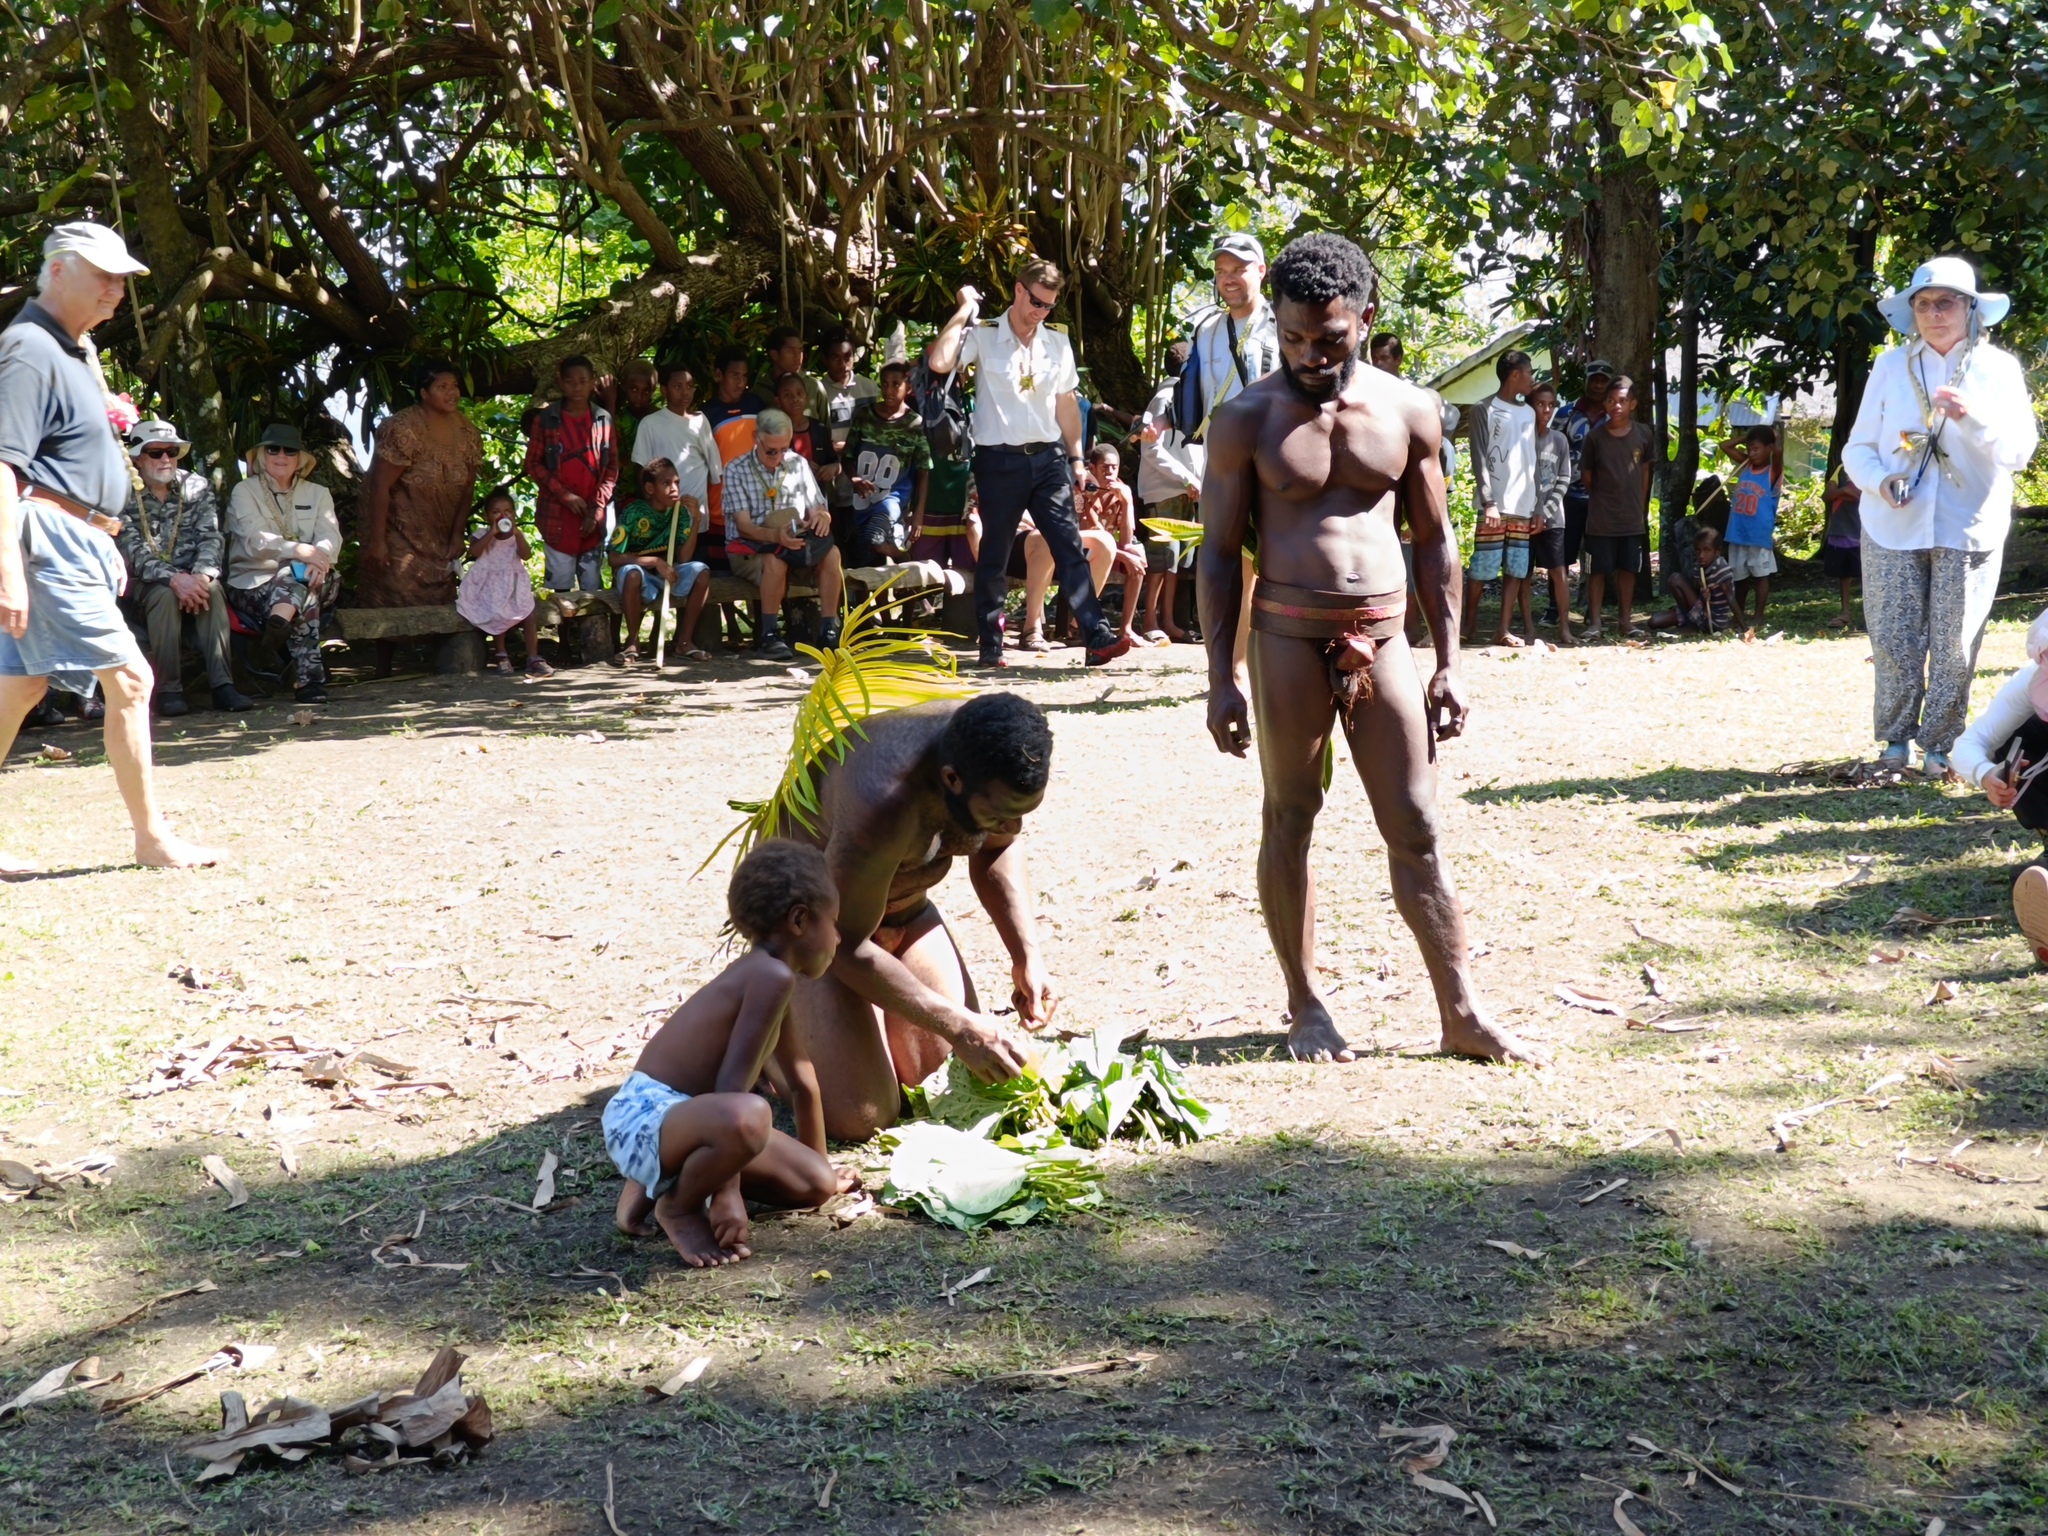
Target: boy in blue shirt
1753 517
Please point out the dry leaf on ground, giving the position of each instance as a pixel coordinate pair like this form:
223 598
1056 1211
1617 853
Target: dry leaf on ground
79 1376
1058 1373
681 1379
544 1181
1513 1250
1622 1523
1643 1138
1603 1191
1592 1000
1944 992
156 1301
226 1177
231 1356
972 1280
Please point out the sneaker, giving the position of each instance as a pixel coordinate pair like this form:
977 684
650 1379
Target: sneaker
828 634
43 716
1103 655
227 696
1897 754
772 647
2030 908
311 693
170 704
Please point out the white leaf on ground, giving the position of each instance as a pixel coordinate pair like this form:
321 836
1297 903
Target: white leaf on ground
1622 1523
1602 1191
226 1177
682 1378
1592 1000
1513 1250
544 1186
1944 992
1642 1138
974 1279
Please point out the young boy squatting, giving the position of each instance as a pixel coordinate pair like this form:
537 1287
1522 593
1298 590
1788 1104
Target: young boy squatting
693 1140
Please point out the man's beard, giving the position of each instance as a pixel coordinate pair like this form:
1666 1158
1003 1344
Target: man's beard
961 812
160 480
1343 380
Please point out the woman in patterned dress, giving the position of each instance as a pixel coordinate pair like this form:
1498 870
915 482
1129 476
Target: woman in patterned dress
421 486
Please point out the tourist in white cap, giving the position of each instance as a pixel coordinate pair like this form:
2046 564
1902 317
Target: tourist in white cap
1945 422
172 540
64 480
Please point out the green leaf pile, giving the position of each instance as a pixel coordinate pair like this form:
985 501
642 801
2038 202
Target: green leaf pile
974 1153
962 1179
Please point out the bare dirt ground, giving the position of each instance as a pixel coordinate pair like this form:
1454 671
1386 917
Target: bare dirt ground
491 883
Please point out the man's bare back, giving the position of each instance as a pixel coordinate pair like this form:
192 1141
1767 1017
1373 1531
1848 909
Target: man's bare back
1307 462
894 815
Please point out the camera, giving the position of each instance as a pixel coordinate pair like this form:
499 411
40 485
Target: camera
1898 490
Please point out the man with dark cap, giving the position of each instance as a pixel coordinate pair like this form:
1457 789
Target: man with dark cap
63 484
171 538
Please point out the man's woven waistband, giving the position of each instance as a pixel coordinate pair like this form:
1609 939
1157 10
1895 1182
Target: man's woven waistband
1308 614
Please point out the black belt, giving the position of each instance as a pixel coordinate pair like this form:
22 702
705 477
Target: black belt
1028 450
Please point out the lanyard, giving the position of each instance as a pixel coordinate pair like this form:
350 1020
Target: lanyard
170 545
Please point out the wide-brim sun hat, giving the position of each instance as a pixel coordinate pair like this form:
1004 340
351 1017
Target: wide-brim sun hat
281 435
2037 649
155 433
1942 272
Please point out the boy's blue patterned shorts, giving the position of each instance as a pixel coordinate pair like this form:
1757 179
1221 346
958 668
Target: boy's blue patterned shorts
632 1130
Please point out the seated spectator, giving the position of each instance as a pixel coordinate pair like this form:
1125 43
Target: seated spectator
663 519
810 437
1700 580
282 541
572 458
496 593
778 520
1109 531
2001 753
887 456
786 355
679 433
171 539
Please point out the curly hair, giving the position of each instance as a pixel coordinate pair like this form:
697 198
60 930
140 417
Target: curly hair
1316 269
1000 736
776 877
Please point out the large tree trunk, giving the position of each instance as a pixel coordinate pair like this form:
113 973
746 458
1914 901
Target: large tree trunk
1685 464
187 374
1626 252
1851 360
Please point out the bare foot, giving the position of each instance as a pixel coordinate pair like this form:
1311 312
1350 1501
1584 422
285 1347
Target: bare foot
1480 1037
163 850
729 1222
691 1234
849 1181
634 1209
1564 636
1312 1036
1510 639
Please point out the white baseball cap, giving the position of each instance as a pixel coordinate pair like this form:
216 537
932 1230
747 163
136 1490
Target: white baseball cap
98 244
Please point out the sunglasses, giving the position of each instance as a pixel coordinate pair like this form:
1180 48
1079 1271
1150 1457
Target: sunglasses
159 453
282 453
1036 302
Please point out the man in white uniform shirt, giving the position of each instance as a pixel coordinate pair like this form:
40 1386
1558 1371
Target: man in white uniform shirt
1027 455
679 433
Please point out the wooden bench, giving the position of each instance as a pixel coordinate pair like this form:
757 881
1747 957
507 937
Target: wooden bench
461 649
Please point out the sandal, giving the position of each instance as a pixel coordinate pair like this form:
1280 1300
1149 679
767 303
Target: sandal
1155 637
694 653
1839 621
1033 640
537 666
503 665
629 657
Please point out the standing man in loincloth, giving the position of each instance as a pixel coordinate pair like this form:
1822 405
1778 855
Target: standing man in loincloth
1304 467
923 786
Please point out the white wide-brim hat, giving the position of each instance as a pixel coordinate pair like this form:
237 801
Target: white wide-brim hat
1942 272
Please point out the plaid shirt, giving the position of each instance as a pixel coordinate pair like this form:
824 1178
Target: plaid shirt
768 498
546 451
194 549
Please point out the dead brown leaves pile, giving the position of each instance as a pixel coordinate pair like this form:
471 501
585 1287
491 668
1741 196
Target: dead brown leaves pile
1421 1449
18 1181
436 1423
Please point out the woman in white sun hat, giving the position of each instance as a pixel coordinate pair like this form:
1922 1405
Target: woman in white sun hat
2005 754
1945 421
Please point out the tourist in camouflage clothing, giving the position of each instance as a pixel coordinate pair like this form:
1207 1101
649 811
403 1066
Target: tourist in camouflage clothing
171 538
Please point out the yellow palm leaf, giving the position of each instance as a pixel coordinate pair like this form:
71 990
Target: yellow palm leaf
874 669
1178 529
